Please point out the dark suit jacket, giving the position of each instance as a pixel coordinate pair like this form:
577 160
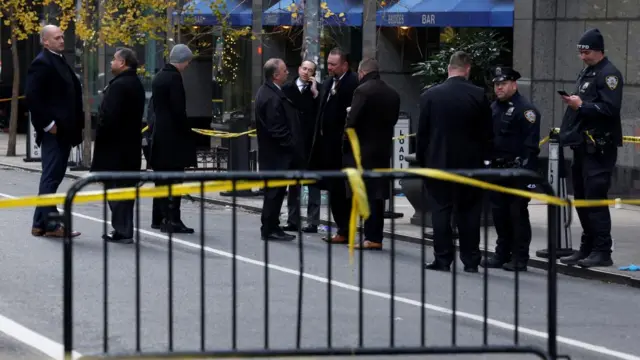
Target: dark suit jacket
328 141
117 144
374 112
280 145
455 126
172 141
54 93
307 110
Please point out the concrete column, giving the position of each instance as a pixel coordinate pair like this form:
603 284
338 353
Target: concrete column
256 52
311 45
369 33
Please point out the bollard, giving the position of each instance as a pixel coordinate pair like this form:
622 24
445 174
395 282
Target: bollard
558 181
239 149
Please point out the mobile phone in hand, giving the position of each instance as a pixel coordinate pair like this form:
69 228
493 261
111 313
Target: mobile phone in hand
563 93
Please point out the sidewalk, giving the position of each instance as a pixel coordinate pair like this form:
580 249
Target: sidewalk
626 226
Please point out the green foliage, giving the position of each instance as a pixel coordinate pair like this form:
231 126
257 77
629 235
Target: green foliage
484 46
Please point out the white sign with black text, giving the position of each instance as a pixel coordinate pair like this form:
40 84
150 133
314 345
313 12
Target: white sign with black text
33 151
400 147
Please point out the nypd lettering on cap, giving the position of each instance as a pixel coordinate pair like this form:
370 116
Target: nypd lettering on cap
530 115
612 82
583 47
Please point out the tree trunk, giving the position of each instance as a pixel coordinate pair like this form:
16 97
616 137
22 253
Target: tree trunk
15 93
86 148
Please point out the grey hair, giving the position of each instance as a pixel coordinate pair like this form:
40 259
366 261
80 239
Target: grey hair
271 68
368 65
129 57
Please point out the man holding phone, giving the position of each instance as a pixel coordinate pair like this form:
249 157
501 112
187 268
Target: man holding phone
591 126
303 92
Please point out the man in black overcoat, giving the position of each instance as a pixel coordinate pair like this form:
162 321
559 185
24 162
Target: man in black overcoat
374 113
329 137
54 99
304 94
172 141
117 144
455 132
280 145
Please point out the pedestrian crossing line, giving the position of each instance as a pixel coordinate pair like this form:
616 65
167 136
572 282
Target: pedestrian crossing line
379 294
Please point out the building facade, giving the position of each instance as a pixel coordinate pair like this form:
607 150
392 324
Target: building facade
546 33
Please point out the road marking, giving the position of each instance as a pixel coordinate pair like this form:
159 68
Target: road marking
478 318
29 337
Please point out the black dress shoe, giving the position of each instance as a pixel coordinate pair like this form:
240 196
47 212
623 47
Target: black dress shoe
471 269
310 229
513 266
437 266
279 236
493 262
290 227
596 259
115 237
176 228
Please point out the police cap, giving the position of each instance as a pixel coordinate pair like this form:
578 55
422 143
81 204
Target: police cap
502 73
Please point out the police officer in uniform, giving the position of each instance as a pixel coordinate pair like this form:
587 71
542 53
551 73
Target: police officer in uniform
516 128
591 126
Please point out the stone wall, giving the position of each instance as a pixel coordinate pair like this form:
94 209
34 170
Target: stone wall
546 33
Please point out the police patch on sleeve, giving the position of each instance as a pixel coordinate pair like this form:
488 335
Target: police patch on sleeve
530 115
612 82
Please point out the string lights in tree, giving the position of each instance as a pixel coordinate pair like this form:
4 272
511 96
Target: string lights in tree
230 60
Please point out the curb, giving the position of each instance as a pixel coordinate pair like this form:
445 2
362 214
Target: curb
536 263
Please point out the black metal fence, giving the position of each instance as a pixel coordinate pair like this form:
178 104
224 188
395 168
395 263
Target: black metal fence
258 316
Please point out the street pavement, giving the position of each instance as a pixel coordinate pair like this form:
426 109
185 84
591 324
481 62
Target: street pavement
596 320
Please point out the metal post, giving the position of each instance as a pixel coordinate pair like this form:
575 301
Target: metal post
33 151
311 48
558 181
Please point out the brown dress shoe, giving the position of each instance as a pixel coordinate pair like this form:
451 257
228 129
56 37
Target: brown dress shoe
336 239
368 245
59 233
37 231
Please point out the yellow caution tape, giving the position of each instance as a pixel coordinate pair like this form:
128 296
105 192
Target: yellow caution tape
216 133
146 192
359 201
9 99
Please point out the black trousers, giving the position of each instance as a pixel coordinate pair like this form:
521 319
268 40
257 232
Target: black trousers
271 206
313 205
168 208
511 220
464 203
374 225
122 212
55 157
591 176
340 205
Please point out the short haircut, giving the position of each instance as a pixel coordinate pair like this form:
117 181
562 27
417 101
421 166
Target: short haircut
460 60
344 56
271 67
45 31
368 65
315 67
129 57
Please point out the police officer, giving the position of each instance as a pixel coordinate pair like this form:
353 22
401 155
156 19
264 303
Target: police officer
516 128
591 127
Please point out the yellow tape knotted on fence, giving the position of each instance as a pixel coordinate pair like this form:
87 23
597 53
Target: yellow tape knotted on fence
359 201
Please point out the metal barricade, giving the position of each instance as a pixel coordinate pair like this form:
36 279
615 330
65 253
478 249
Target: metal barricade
135 309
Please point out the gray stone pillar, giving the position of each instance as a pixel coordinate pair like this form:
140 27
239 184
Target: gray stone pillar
369 33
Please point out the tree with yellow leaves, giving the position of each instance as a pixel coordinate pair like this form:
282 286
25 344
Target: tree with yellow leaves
22 20
113 23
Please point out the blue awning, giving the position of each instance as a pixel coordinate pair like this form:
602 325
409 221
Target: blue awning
454 13
344 12
238 12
